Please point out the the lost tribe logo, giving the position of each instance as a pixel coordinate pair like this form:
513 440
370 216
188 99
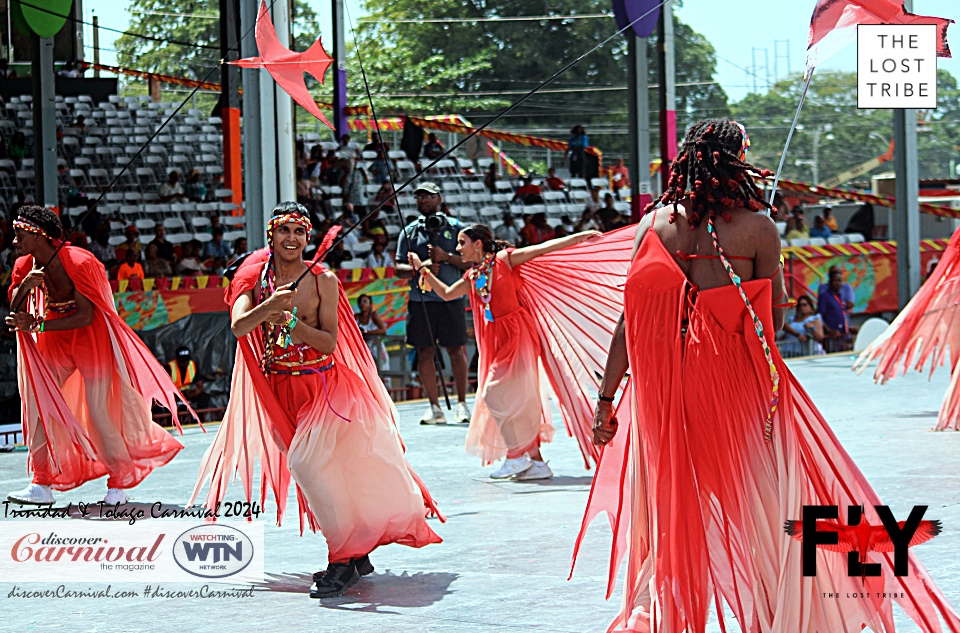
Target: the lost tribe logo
213 551
858 537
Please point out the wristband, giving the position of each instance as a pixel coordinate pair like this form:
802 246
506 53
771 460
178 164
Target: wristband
42 325
604 398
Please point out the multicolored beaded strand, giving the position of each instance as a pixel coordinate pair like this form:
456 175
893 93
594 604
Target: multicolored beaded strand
758 326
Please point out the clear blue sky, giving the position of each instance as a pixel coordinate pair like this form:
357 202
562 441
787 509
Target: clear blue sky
734 27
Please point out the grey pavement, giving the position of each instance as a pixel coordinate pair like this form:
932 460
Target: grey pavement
505 558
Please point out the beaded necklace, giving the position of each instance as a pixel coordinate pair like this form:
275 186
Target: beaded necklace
758 326
270 333
482 278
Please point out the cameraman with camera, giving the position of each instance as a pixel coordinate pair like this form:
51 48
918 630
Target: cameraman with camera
433 236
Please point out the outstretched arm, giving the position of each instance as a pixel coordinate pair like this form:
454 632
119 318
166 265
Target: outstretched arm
448 293
525 254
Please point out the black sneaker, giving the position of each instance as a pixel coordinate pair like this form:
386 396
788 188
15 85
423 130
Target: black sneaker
335 580
363 565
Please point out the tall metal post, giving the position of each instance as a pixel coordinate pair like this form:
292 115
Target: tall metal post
44 122
339 71
96 46
253 167
638 107
906 220
668 93
284 128
230 99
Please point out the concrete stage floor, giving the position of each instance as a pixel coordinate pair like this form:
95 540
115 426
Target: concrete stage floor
504 563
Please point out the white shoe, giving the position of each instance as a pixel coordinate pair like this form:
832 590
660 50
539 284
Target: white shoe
512 467
463 413
538 470
433 415
115 496
34 494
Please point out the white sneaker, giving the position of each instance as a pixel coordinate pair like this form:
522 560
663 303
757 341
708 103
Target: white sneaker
463 413
512 467
537 470
34 494
115 496
433 415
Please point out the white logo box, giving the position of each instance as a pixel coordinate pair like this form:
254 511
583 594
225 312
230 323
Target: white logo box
897 66
115 552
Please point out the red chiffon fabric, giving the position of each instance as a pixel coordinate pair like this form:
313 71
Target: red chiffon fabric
87 392
698 498
926 328
334 432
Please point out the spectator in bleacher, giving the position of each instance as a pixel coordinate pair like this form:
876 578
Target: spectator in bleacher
576 151
69 70
830 220
351 240
862 222
20 202
153 264
305 193
820 228
800 230
553 182
527 192
795 214
347 149
319 172
490 178
373 329
190 263
183 372
508 231
567 224
537 231
594 203
381 168
164 248
101 249
194 189
374 227
351 187
378 257
610 218
805 325
336 256
9 253
300 154
5 71
385 200
376 144
433 148
19 149
239 248
779 211
171 190
620 177
130 267
216 247
80 124
559 231
588 221
132 244
835 307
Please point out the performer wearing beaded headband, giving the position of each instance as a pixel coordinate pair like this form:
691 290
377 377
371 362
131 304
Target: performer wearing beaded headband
717 444
306 400
546 305
86 409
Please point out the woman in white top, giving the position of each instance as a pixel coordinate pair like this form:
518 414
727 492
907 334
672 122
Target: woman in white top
803 333
373 329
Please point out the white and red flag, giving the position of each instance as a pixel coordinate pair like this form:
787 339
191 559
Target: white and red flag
834 23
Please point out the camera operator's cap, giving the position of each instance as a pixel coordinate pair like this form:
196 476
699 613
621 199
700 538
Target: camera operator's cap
428 187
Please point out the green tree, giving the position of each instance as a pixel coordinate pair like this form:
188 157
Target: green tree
196 22
845 136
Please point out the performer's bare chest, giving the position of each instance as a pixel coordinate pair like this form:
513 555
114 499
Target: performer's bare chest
306 301
58 285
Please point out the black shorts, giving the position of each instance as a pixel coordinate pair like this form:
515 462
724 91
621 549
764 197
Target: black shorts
447 320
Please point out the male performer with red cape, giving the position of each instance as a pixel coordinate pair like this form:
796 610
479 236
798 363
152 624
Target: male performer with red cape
86 380
306 400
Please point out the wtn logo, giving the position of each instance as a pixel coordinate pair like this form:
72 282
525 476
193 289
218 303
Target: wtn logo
202 550
859 537
213 551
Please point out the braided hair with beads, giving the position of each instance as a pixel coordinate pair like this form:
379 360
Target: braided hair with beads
711 166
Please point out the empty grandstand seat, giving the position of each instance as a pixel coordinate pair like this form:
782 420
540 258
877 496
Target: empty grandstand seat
600 183
144 225
231 236
800 241
174 224
203 237
489 213
199 222
854 238
484 163
837 239
352 264
554 196
817 241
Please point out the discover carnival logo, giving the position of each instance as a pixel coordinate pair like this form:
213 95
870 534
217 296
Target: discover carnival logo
108 551
213 551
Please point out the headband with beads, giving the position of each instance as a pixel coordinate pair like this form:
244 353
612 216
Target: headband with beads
745 144
293 217
26 225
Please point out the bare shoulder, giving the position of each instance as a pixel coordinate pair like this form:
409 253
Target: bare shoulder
327 282
761 226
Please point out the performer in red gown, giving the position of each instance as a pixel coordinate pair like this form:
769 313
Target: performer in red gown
307 402
552 306
86 380
923 332
718 445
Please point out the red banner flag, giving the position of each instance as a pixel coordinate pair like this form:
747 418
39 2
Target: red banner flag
834 22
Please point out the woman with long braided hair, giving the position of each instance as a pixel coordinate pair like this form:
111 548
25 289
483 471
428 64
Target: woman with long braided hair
722 447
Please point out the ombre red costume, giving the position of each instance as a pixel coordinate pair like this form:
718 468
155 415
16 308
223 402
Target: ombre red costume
86 392
326 421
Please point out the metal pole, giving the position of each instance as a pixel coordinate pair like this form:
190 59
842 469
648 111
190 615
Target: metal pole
339 54
668 95
230 100
44 122
96 46
638 106
816 155
252 167
283 108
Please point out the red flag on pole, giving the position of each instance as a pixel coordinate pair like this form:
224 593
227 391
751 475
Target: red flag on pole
287 67
834 22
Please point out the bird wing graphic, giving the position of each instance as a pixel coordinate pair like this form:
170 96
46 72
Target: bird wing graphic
846 537
926 531
287 67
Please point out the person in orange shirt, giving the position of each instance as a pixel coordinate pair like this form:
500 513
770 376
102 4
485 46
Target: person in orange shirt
620 176
131 267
